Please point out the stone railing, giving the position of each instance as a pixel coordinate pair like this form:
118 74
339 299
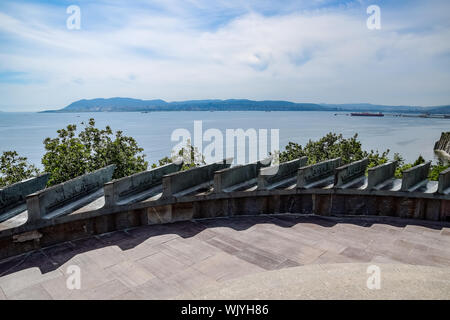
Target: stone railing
280 175
190 181
381 176
444 182
94 204
415 177
68 196
138 186
351 174
317 175
12 198
238 177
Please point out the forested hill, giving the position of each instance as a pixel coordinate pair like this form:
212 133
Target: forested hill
130 104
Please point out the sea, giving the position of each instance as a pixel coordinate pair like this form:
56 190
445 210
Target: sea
25 132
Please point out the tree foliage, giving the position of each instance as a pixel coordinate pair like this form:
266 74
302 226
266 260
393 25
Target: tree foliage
70 155
437 169
14 168
332 146
189 154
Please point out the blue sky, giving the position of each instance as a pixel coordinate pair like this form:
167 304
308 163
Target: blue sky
304 51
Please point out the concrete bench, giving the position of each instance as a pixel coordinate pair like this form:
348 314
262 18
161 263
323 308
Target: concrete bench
139 186
444 182
238 177
351 175
317 175
281 175
182 183
13 197
68 196
381 176
415 177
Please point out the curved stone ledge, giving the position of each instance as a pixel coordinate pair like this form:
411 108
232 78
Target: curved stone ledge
13 197
66 197
318 201
444 182
157 196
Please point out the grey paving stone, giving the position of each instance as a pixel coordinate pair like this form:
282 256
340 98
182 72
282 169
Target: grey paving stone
187 259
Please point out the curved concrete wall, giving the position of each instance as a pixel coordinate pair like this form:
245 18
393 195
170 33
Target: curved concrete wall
238 177
318 174
380 176
185 182
138 186
415 177
68 196
52 207
280 175
444 182
13 197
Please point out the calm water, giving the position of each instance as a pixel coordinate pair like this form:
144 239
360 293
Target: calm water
25 132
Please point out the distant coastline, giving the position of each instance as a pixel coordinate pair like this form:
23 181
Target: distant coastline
137 105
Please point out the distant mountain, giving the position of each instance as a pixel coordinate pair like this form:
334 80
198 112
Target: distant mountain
373 107
129 104
112 104
440 110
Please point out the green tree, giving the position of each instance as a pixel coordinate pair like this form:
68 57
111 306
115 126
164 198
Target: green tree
332 146
70 155
189 154
402 166
437 169
14 168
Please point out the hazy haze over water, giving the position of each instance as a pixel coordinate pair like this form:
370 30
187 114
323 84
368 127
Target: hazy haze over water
25 132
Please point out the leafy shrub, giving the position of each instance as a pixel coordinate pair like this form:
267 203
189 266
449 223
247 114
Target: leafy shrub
69 156
14 168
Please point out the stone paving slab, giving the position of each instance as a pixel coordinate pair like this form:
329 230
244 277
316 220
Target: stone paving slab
334 281
212 257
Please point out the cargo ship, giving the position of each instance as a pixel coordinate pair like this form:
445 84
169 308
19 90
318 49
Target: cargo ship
366 114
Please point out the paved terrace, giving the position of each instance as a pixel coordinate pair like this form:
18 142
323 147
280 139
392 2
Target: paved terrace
271 257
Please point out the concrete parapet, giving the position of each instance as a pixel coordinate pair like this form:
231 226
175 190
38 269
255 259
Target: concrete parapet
12 198
185 182
327 202
280 175
444 182
316 175
138 186
350 174
68 196
238 177
415 177
380 176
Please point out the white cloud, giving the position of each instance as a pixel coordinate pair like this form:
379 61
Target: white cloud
323 55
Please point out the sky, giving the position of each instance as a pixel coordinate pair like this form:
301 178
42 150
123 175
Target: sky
318 51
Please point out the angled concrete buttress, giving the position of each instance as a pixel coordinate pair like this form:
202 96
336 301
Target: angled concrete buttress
415 177
317 175
351 175
239 177
68 196
280 175
381 176
139 186
12 198
444 182
186 182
